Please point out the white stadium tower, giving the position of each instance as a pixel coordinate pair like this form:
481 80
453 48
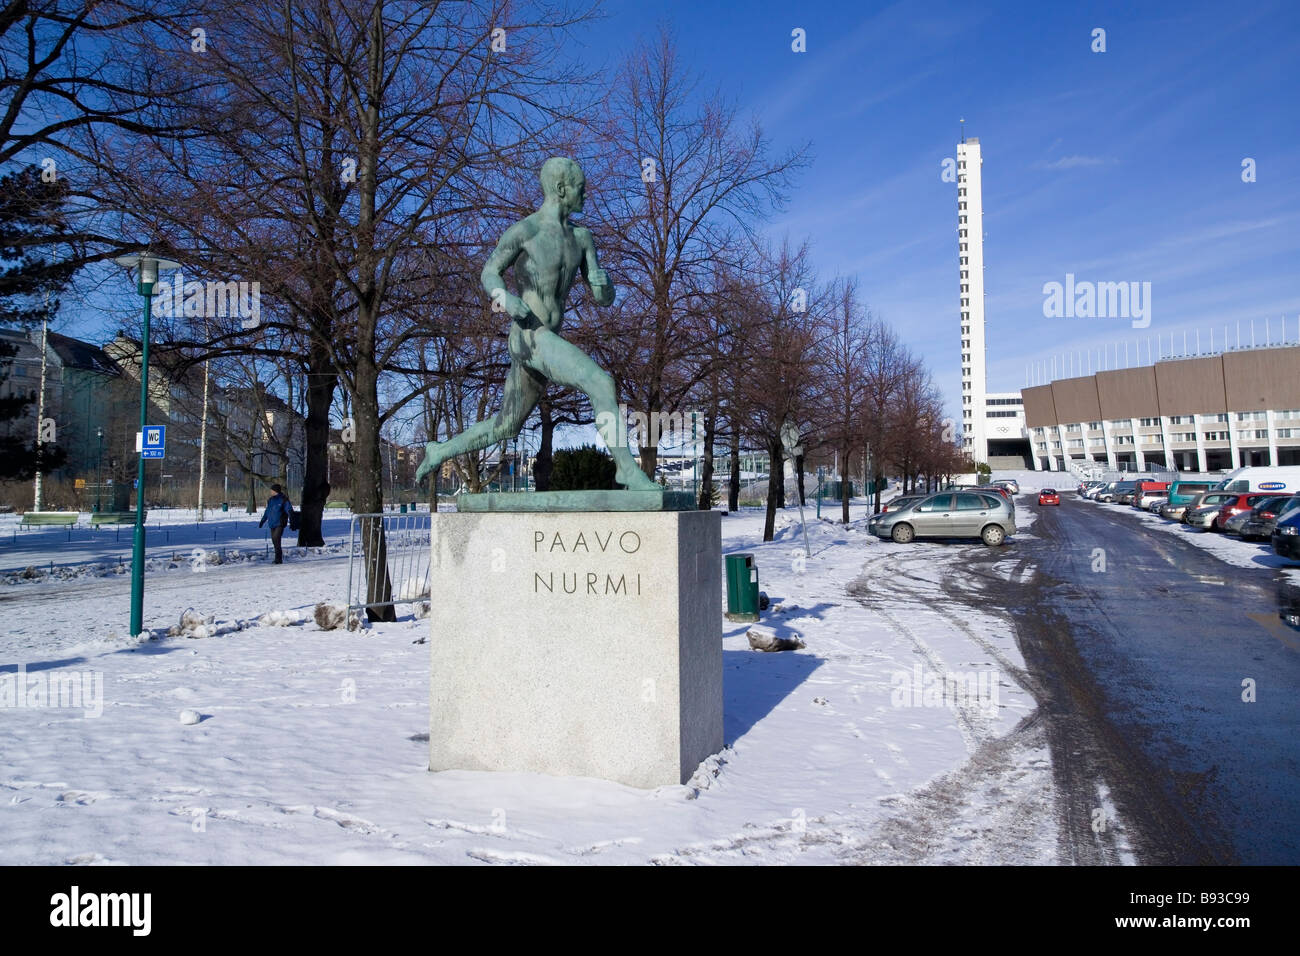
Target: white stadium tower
993 424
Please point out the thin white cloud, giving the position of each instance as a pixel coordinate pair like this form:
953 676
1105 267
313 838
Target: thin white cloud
1075 162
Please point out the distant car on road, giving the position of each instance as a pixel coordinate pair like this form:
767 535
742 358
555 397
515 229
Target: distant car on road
1048 496
961 514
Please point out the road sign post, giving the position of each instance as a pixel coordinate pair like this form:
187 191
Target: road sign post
147 278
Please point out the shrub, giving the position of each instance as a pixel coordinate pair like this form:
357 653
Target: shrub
582 469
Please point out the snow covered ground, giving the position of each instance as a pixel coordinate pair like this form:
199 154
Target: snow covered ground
883 741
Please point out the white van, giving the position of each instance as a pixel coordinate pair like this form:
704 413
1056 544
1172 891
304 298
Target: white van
1282 480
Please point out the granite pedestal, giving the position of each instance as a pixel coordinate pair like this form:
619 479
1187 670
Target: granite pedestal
577 644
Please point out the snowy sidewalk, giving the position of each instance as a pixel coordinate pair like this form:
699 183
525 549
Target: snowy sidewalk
312 746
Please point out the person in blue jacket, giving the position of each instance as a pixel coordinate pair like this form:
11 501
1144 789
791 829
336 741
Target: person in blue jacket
277 513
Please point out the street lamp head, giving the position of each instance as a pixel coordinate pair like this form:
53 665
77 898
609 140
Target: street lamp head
149 266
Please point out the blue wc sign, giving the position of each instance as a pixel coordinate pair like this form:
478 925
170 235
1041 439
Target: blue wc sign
155 441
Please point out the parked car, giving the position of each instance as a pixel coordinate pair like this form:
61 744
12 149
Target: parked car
1236 522
1207 502
997 490
1146 491
1262 518
1010 484
1242 504
1286 536
1101 489
1048 496
1182 494
898 501
1156 504
1116 491
1203 518
961 514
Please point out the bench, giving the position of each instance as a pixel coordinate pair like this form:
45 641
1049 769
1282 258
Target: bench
64 518
113 517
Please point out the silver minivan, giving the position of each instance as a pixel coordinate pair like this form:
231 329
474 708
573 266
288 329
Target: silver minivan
949 514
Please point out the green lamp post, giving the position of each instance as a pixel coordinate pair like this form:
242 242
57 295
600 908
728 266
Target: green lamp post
148 266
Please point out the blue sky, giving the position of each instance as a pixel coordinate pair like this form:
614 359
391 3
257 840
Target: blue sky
1115 166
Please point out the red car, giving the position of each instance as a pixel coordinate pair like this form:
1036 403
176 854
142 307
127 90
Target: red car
1237 505
1048 496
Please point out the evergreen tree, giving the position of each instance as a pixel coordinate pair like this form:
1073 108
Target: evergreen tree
585 468
31 229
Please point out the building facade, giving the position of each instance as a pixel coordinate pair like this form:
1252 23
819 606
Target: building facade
92 395
1200 413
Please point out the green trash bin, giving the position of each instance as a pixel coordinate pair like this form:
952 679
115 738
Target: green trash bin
225 506
742 588
403 509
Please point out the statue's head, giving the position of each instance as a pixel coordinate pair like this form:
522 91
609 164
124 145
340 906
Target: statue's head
563 182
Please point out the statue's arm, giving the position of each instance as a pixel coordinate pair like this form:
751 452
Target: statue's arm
492 278
601 288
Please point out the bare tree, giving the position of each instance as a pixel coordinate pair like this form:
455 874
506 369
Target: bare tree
778 374
681 179
843 377
342 147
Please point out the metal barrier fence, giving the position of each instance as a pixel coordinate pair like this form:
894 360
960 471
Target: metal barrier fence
404 542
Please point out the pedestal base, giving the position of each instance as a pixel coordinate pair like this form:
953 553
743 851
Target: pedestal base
582 644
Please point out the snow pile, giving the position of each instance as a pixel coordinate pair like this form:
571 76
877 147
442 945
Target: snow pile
766 639
332 615
280 618
193 624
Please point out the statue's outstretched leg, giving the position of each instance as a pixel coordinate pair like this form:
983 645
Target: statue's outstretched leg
565 364
522 391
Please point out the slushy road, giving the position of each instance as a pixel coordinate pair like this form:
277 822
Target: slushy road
1150 649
